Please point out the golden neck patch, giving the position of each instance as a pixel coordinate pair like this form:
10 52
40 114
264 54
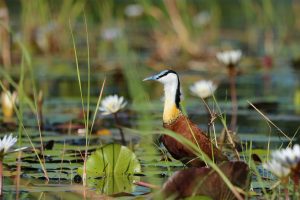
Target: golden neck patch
171 113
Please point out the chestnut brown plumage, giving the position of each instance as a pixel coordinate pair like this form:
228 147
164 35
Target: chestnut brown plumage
187 128
175 121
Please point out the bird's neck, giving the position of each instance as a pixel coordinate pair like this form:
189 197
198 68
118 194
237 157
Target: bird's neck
172 99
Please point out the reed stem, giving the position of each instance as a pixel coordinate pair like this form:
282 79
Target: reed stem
1 178
210 116
233 94
286 193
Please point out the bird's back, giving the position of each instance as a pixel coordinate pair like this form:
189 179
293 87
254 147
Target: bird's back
189 130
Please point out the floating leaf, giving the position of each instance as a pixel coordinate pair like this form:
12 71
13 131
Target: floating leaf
109 169
205 181
111 159
114 184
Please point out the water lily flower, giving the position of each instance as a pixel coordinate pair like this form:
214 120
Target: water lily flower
111 33
112 104
289 157
202 18
6 143
8 100
203 88
229 57
133 10
277 168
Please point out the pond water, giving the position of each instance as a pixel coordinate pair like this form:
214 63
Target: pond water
124 48
276 92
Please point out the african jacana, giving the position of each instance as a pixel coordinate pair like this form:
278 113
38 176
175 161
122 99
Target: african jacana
176 121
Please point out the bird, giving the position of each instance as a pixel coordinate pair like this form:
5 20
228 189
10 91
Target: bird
176 121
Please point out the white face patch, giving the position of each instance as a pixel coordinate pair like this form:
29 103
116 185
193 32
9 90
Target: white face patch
170 79
170 82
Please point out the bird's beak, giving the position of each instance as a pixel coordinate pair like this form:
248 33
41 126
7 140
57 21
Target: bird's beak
150 78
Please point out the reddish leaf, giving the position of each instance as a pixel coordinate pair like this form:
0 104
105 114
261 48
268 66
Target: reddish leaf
205 181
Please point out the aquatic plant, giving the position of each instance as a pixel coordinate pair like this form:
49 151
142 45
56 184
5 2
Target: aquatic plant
116 165
202 18
112 104
111 159
5 39
86 116
289 157
203 88
8 100
5 144
285 163
231 59
203 182
133 10
277 169
164 34
111 33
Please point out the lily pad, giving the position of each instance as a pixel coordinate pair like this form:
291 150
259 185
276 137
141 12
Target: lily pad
114 184
111 159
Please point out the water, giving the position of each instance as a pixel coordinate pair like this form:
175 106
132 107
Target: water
276 89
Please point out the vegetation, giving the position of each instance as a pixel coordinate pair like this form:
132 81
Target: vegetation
61 59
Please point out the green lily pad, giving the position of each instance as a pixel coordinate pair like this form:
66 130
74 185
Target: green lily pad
114 184
111 159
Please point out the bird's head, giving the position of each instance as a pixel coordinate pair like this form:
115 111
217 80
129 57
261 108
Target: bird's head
170 80
166 77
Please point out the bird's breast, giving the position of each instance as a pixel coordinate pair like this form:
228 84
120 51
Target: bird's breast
171 113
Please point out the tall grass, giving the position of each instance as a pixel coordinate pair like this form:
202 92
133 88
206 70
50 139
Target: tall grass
26 61
24 130
86 105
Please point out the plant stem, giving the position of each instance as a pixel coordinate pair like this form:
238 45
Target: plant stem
286 193
5 35
148 185
210 116
17 179
1 178
232 77
120 129
296 183
40 102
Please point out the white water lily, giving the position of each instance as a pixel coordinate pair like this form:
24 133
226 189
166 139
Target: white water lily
7 101
277 168
6 143
202 18
110 34
133 10
231 57
284 161
203 88
289 157
112 104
